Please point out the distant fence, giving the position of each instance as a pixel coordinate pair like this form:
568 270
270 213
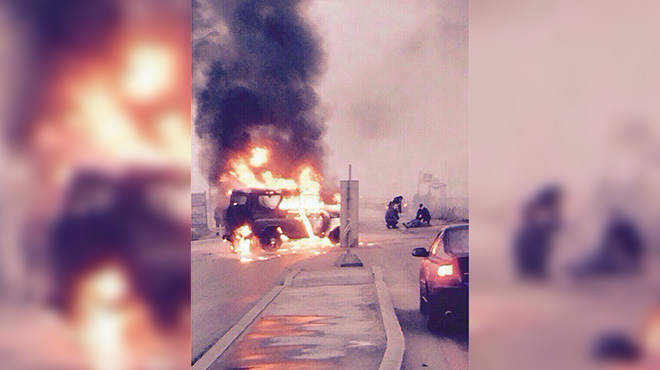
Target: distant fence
450 209
199 211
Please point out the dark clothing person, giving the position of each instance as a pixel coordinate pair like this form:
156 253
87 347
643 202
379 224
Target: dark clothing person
413 223
217 216
533 241
620 251
398 203
422 218
623 240
423 214
532 249
391 218
614 347
426 216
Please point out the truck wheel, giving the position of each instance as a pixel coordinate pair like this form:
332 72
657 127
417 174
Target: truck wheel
270 241
271 245
334 235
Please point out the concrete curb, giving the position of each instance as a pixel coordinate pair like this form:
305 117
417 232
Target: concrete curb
230 336
289 278
393 356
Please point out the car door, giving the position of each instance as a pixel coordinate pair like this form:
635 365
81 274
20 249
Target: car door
237 213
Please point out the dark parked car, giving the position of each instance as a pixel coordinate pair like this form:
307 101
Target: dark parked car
443 278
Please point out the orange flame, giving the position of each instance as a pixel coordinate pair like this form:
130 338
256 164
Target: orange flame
245 172
242 241
259 157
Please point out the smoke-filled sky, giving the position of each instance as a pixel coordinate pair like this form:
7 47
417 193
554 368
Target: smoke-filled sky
392 89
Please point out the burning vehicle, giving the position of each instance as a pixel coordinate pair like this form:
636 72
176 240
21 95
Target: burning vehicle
259 217
265 211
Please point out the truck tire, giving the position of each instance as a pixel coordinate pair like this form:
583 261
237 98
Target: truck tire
334 235
270 241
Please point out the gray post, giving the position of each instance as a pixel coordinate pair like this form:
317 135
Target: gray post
349 219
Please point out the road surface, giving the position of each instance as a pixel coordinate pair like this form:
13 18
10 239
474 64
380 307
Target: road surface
224 288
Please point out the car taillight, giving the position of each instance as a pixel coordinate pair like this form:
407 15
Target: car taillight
445 270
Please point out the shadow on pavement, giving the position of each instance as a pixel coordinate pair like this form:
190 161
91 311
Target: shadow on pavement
413 323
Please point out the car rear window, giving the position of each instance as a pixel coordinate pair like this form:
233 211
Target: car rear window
457 241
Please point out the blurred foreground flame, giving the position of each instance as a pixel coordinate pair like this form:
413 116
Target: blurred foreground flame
102 142
118 113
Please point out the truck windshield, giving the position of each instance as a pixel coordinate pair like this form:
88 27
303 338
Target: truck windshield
270 201
457 241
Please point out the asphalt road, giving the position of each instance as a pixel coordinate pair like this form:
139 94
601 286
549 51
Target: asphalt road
224 288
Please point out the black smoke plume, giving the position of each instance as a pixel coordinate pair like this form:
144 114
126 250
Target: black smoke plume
260 85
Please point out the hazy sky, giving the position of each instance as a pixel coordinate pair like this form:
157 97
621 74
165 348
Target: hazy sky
394 91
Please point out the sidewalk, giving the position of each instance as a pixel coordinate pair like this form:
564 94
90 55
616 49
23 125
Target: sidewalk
340 318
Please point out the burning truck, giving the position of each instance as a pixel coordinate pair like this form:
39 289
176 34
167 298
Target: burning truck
267 211
254 217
